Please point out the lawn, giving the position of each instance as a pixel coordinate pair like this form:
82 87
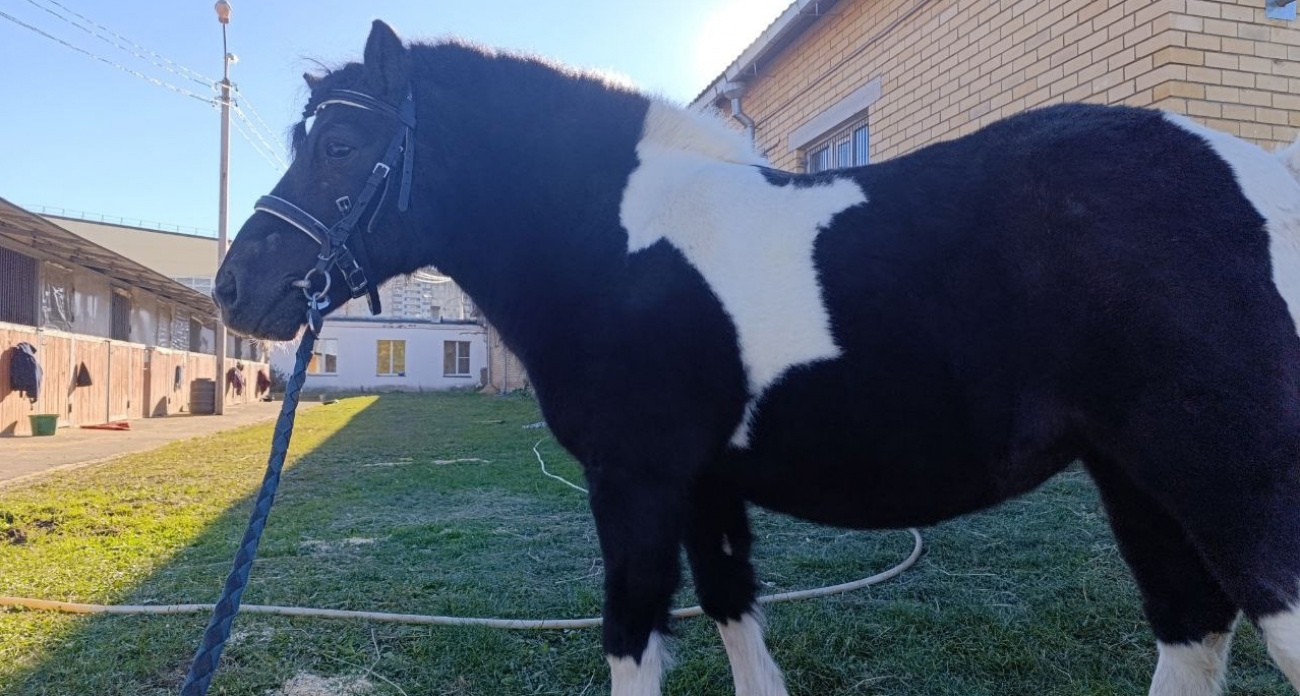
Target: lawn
434 504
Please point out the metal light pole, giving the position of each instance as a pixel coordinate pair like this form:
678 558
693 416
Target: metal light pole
223 199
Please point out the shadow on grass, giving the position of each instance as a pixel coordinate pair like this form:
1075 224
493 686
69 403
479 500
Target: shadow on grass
433 504
376 512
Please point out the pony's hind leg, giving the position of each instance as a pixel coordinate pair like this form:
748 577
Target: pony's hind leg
1246 525
717 546
1191 616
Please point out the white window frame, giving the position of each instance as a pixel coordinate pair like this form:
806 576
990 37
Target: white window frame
458 358
318 366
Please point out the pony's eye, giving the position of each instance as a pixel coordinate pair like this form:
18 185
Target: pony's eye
337 150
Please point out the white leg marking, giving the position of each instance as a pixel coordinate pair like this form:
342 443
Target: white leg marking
1282 632
752 667
1192 669
633 678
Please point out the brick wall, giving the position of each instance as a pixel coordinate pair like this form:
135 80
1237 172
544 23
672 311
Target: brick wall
948 67
1234 69
505 372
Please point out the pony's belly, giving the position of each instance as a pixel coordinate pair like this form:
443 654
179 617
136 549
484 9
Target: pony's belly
865 495
899 460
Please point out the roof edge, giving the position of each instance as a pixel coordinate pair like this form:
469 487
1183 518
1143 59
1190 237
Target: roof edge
796 19
165 287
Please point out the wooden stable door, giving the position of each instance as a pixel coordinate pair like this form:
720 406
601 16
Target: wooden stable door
120 371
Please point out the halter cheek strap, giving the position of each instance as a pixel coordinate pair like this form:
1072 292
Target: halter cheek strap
335 241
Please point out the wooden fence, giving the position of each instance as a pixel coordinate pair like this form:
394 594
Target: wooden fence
128 380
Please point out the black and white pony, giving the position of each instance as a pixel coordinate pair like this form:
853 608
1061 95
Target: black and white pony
879 347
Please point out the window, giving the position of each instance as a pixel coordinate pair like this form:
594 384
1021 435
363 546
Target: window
819 160
56 302
17 288
391 358
121 310
195 332
325 358
455 358
201 284
164 336
847 147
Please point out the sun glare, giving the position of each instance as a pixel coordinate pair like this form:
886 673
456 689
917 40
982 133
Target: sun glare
728 30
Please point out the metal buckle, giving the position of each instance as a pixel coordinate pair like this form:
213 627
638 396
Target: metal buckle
384 167
356 280
316 299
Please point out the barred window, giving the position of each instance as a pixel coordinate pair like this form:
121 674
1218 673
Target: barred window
847 147
121 313
17 288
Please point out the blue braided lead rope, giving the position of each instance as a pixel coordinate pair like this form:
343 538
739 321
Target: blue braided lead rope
205 661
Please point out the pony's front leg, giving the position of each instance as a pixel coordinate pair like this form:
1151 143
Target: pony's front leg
639 517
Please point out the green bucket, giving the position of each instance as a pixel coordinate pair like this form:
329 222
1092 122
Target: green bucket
44 425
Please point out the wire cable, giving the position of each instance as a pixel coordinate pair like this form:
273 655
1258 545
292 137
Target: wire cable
245 103
561 479
270 158
434 620
107 61
280 163
177 68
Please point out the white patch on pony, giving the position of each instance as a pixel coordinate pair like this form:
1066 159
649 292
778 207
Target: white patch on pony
1192 669
633 678
1282 633
1270 182
697 188
672 128
752 668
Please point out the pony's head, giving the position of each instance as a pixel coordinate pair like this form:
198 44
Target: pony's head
516 183
354 121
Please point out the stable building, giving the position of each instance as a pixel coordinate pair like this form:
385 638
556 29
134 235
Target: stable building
115 340
839 83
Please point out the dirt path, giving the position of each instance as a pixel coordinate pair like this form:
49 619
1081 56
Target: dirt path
25 457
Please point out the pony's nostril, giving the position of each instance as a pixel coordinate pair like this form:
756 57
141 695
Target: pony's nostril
225 291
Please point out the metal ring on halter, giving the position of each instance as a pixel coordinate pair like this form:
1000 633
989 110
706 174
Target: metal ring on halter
314 319
314 297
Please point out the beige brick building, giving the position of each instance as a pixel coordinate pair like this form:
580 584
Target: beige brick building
832 82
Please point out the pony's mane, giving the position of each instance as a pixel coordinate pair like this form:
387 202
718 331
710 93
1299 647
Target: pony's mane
667 123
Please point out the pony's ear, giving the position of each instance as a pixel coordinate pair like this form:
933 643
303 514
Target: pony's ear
311 80
387 62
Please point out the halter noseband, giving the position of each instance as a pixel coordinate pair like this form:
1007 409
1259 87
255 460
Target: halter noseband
334 240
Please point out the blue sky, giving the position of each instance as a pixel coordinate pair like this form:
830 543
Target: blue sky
80 134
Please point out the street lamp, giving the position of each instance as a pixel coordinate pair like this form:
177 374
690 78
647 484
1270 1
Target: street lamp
223 16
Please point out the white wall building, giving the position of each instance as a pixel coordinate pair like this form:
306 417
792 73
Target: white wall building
378 354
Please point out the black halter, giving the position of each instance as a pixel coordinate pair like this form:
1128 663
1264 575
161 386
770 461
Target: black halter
334 241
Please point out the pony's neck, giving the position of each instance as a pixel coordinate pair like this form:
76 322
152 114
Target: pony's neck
534 162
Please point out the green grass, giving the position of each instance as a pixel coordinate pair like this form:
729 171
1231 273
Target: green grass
1030 598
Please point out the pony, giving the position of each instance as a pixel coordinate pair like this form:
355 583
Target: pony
880 347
